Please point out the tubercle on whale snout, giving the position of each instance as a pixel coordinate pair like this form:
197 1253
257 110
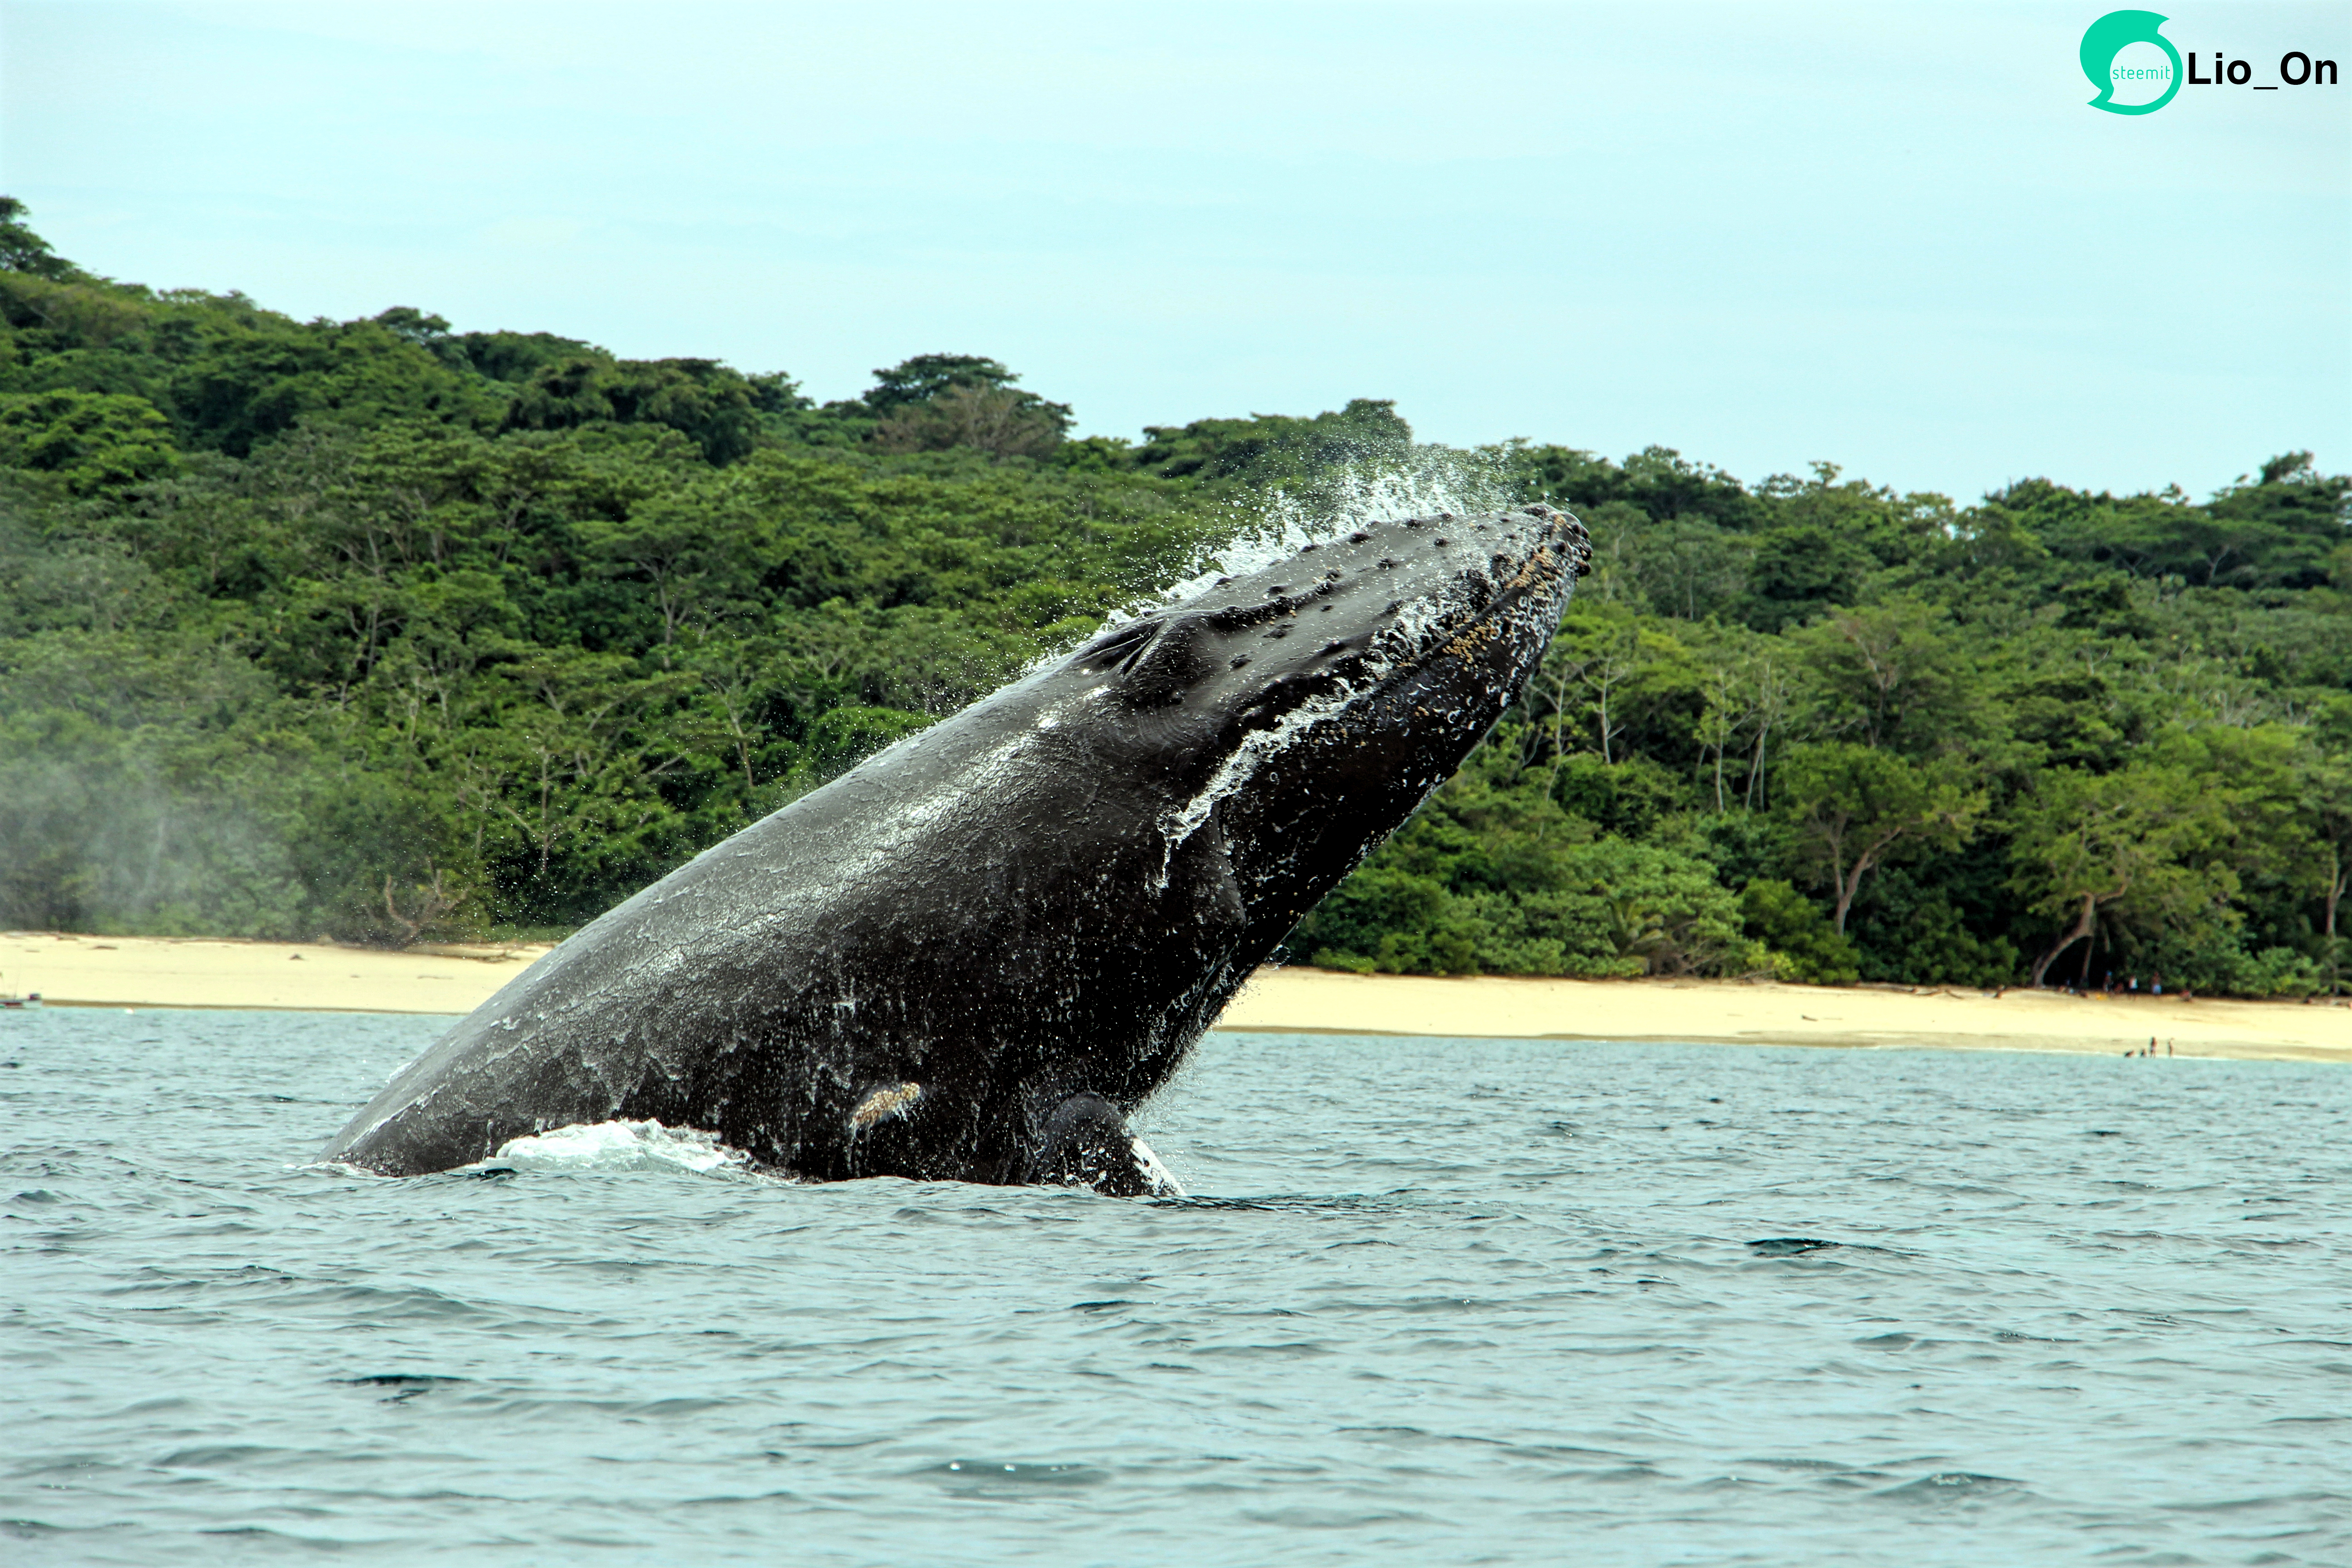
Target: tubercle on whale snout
1159 660
1241 617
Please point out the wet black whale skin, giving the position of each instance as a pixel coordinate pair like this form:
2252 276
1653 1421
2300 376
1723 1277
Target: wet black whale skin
971 956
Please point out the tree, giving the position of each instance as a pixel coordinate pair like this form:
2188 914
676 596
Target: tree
926 376
1721 720
1687 567
571 769
2325 801
992 419
693 549
1607 674
1890 674
90 440
1657 482
1802 945
1852 807
716 407
1589 669
1746 692
2083 843
238 387
2277 530
22 250
730 670
968 396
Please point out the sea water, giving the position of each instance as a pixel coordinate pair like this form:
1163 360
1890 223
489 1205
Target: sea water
1431 1300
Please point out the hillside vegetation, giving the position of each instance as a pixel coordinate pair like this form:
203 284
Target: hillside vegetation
387 632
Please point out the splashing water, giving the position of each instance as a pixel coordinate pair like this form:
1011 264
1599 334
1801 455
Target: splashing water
618 1146
1280 521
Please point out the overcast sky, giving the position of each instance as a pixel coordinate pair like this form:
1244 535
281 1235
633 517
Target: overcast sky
1892 236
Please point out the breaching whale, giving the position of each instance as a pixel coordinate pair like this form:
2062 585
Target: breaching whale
973 956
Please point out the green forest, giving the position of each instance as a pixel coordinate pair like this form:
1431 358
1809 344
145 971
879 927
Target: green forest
383 632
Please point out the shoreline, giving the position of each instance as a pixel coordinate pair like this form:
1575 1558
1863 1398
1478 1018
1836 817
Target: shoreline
1764 1013
81 971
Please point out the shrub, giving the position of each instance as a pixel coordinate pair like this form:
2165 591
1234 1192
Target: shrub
1802 944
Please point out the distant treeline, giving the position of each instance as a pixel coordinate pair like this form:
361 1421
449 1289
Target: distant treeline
376 630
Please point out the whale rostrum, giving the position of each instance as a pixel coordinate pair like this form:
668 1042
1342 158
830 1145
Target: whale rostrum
973 956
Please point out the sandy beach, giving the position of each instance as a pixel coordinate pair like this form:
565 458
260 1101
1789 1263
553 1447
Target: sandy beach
158 971
68 971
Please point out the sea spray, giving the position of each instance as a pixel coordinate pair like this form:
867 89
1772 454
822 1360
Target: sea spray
1278 521
618 1146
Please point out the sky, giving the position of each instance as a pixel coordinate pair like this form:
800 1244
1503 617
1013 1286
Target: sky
1893 237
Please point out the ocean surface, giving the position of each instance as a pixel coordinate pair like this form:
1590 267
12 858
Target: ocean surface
1457 1301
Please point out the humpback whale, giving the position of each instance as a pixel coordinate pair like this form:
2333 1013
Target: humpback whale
974 956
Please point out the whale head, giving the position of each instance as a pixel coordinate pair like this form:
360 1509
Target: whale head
1303 711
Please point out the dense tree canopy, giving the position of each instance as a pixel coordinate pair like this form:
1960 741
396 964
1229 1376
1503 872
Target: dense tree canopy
2056 735
388 632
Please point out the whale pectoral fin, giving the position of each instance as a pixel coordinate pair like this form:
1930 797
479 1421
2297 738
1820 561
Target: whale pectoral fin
1085 1142
1159 1180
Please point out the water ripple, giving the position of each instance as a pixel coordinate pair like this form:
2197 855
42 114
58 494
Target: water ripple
1432 1300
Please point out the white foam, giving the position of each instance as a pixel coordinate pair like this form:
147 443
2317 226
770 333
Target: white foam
619 1146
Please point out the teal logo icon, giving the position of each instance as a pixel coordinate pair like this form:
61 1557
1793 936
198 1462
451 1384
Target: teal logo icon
2109 37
